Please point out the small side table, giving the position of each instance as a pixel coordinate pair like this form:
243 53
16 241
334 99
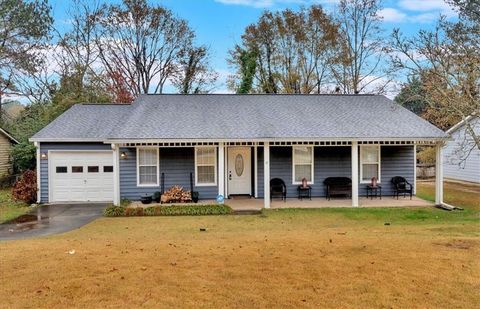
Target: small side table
304 192
374 191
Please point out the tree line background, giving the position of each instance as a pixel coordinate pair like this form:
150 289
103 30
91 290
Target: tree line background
112 53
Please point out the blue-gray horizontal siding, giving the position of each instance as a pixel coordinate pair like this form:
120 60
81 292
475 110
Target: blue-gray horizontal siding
395 161
336 162
45 147
175 163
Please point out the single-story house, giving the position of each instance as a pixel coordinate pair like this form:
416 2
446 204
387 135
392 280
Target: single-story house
229 145
6 143
461 157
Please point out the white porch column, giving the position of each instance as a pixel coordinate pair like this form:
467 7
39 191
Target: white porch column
266 175
255 170
414 169
39 193
355 174
221 169
116 175
439 174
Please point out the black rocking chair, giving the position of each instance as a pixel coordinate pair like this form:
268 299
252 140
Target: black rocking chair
278 188
401 185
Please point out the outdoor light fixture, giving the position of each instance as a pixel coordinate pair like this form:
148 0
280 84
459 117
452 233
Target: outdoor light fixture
43 155
123 155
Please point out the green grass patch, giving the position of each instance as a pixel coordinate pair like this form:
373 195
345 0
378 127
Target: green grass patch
10 209
180 210
407 215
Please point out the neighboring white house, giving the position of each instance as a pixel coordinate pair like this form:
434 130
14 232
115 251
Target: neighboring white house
461 158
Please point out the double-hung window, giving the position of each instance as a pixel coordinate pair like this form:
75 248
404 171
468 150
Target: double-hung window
205 166
147 166
302 164
369 163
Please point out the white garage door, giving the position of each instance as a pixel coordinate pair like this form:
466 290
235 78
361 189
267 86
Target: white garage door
81 176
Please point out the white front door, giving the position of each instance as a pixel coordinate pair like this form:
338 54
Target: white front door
239 170
81 176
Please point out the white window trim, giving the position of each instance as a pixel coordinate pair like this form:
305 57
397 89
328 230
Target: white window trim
214 183
293 166
158 168
379 180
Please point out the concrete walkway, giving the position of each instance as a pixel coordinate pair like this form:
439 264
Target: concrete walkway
51 219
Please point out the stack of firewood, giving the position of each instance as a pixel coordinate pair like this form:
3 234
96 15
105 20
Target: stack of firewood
176 194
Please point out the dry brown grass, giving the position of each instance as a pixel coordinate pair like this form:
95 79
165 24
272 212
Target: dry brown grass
281 259
242 262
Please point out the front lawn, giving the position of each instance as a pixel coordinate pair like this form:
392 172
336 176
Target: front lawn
9 209
328 258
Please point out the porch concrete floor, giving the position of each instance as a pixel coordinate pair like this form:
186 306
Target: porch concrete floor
247 204
319 202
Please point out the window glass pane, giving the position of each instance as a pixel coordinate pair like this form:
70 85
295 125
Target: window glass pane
206 174
205 156
148 175
108 169
370 154
147 156
369 171
93 169
77 169
303 171
303 155
61 169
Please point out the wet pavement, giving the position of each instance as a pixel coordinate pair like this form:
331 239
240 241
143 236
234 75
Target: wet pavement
50 219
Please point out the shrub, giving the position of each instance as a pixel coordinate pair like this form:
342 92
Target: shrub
195 210
25 189
23 157
149 211
183 210
114 211
125 202
133 211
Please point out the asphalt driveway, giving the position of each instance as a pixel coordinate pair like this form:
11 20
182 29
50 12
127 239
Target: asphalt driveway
51 219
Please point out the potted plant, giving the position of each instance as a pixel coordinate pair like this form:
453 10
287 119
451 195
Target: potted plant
146 198
195 196
156 196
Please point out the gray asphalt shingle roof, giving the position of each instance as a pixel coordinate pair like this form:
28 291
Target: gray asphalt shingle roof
242 117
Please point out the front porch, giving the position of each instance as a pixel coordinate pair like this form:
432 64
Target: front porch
247 204
257 204
224 170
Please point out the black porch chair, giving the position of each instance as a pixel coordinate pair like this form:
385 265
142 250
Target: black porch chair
278 188
401 186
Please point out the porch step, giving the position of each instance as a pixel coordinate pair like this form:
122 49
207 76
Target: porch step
247 212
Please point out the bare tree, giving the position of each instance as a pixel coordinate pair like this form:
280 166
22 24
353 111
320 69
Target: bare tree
24 31
195 74
448 61
362 68
76 49
143 43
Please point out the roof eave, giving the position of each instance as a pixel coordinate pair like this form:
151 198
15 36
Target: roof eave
9 136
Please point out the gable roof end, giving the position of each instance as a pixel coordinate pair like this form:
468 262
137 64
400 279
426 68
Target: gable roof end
461 123
9 136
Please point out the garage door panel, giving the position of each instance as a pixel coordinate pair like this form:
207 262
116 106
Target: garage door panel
81 186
